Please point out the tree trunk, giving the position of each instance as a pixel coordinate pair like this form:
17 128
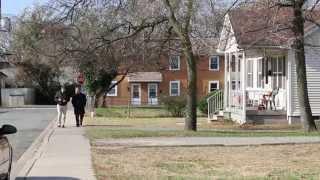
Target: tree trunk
100 98
183 30
191 111
298 46
92 105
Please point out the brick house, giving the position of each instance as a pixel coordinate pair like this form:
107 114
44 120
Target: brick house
169 79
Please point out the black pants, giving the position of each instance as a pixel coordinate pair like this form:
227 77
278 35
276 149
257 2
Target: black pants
79 118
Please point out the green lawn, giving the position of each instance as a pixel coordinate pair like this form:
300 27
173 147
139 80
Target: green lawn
123 127
105 133
136 112
245 162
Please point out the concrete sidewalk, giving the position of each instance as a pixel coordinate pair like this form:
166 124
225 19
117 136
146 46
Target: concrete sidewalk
66 155
205 141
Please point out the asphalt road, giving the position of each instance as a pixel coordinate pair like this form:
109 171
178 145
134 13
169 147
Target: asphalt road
30 122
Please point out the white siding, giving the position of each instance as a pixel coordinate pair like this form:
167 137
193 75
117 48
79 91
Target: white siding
227 42
313 75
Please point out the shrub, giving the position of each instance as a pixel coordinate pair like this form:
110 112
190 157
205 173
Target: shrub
203 104
175 105
45 97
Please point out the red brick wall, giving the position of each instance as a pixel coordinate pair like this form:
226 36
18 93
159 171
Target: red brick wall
204 76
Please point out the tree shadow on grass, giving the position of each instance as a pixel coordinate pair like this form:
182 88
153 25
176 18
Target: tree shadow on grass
46 178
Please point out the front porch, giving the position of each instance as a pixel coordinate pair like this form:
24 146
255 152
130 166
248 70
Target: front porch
256 86
144 88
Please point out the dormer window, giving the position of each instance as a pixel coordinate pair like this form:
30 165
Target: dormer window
174 62
214 63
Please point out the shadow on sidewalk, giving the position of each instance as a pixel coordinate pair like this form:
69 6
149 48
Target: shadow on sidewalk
46 178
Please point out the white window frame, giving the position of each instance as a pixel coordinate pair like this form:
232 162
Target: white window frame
250 63
179 62
235 85
171 82
278 74
115 90
210 59
213 82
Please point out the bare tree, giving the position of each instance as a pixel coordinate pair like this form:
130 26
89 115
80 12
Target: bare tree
300 11
105 43
182 28
36 69
163 27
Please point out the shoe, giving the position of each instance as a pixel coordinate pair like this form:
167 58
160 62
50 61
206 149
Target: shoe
77 125
59 125
62 126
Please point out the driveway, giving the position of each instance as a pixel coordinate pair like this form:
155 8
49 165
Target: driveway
30 122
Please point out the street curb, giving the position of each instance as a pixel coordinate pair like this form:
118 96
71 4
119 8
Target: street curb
22 167
30 107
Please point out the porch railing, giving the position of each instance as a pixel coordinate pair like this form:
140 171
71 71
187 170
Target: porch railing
256 98
215 104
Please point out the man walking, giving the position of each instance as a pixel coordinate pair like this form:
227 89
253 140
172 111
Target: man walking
79 101
62 100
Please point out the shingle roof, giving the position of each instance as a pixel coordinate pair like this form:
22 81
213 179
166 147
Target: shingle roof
3 74
145 77
264 26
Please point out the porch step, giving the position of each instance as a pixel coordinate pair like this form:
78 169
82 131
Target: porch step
267 119
217 116
266 113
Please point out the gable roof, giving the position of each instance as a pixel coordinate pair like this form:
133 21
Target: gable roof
265 26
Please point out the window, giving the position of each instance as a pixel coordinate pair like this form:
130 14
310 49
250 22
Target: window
174 88
239 62
153 90
250 74
213 85
114 90
174 62
233 63
261 69
214 63
278 72
233 85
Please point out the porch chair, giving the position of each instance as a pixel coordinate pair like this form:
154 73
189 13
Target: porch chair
269 99
264 101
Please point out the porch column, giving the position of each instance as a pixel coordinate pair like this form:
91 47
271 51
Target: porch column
236 70
230 84
289 85
226 84
244 85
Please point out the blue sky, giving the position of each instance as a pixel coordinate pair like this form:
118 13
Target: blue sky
15 7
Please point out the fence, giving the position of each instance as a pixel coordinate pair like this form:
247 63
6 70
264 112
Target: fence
17 97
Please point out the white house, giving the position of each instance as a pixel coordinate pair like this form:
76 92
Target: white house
259 61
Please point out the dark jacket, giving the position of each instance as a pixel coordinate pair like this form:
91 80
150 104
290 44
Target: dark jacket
61 98
79 102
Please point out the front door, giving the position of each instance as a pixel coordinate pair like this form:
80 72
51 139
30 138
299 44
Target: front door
136 94
152 94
